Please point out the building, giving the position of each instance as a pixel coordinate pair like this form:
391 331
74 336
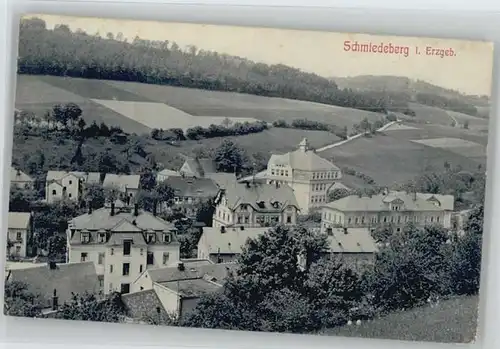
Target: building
62 185
195 167
224 245
255 205
389 207
127 185
19 234
188 191
223 180
166 173
20 179
179 288
122 241
56 283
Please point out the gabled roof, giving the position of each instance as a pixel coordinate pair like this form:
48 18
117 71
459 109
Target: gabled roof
200 167
253 193
88 177
168 172
122 182
223 180
194 270
16 175
66 279
125 227
357 240
19 220
193 187
380 202
229 242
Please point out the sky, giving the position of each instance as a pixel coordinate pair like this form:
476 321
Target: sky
469 71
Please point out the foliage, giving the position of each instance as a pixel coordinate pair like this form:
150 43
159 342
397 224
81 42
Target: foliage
337 194
88 307
229 157
238 129
21 199
19 301
453 104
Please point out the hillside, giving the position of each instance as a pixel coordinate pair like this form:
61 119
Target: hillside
403 89
450 321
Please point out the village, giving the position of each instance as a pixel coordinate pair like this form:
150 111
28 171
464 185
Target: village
120 247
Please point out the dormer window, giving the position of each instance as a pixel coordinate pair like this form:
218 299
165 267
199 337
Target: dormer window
85 238
150 238
167 238
102 237
261 204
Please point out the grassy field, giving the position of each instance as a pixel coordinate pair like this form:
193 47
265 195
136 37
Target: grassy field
392 158
452 321
175 106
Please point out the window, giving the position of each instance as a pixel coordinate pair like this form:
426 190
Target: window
150 258
18 249
125 288
70 182
110 287
126 269
100 258
69 195
126 247
102 237
432 219
85 238
83 257
140 268
247 219
18 236
289 219
151 237
240 218
437 219
54 192
112 251
166 256
286 173
142 252
349 220
100 278
167 238
111 268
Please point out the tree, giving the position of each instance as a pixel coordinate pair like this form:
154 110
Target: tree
337 194
94 195
21 200
229 157
88 307
147 179
19 301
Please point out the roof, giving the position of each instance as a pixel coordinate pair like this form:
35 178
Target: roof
259 176
89 177
16 175
201 167
122 225
266 194
357 240
192 187
168 172
192 270
380 202
66 279
229 242
121 182
232 241
18 220
303 159
192 288
223 180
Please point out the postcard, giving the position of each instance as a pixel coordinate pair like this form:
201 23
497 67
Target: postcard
245 178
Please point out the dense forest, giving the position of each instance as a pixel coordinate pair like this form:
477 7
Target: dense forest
62 52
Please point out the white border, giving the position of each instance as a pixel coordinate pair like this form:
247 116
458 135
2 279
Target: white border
351 16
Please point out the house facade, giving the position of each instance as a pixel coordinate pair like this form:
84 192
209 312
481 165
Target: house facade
388 208
20 179
180 287
123 241
62 185
19 233
254 205
308 174
126 185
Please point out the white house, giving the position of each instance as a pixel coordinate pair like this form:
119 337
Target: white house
20 179
19 233
123 242
62 185
127 185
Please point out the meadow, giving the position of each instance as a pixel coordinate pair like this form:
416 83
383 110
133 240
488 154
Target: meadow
452 321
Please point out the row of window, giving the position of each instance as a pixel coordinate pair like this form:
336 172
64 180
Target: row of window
320 187
150 238
318 198
393 219
188 200
126 266
282 173
325 175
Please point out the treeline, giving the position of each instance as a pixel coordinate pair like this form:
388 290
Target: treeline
238 129
452 104
305 124
61 52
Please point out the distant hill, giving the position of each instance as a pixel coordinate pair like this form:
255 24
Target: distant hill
403 89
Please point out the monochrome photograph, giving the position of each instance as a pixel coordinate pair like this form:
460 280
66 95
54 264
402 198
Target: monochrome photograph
247 179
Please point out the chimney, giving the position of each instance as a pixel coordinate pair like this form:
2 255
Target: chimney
136 209
222 229
127 200
385 192
90 207
345 231
155 205
112 213
247 184
414 194
55 300
180 266
52 265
